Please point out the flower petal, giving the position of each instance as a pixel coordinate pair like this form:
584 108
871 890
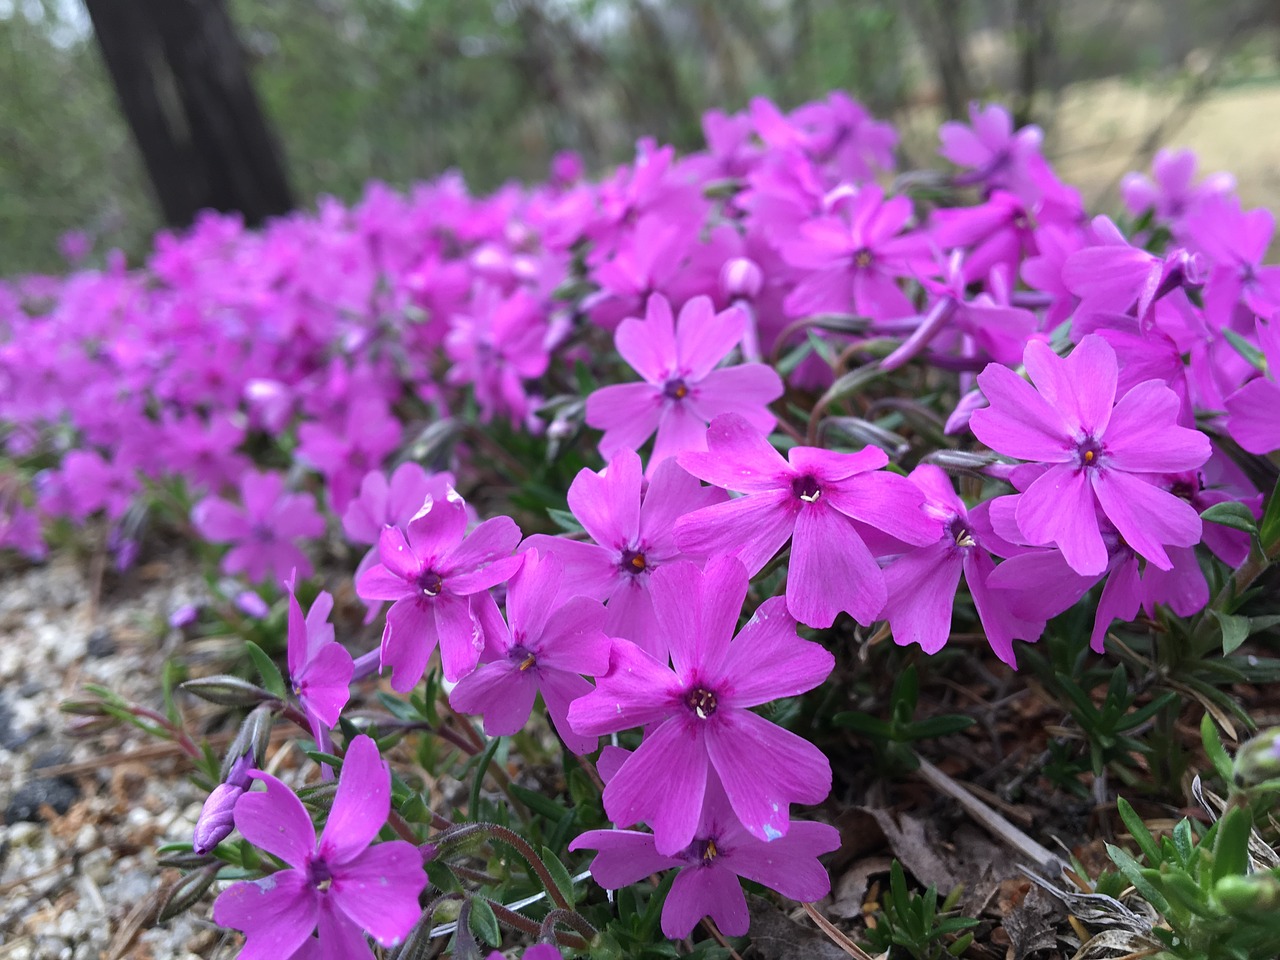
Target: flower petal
1144 435
738 457
1147 516
276 914
1059 507
1081 387
764 769
625 856
752 528
789 865
767 660
501 693
379 890
607 504
276 821
1020 422
705 891
662 784
361 804
636 691
832 570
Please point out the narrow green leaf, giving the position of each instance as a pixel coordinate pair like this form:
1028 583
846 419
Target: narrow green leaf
565 520
1183 842
1231 844
1269 528
483 922
1213 748
481 769
1246 349
538 802
1235 630
564 882
272 680
938 727
864 724
1231 514
1138 830
1132 871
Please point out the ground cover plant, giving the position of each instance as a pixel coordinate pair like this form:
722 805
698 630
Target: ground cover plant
647 535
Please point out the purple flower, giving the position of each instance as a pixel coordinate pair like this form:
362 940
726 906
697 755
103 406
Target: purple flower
699 715
998 156
1097 452
494 346
345 453
922 584
682 391
320 668
432 569
852 263
341 884
720 852
264 531
634 533
818 499
1252 418
1172 196
546 648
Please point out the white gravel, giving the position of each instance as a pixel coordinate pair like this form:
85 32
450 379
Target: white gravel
78 886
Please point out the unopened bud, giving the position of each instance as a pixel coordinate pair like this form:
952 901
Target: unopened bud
216 822
227 691
741 279
1259 893
1258 759
251 740
187 891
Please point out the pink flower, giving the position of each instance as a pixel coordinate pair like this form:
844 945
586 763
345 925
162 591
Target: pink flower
699 713
1252 418
720 852
1097 452
341 885
1172 196
320 668
852 263
264 531
345 453
546 648
826 503
633 530
682 391
432 570
922 584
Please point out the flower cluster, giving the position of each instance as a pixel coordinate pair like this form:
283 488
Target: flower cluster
1101 396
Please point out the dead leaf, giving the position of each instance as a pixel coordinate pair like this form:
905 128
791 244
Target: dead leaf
1031 925
851 889
775 936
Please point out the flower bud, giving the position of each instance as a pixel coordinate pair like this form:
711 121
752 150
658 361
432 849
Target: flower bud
1258 759
227 691
1254 894
215 822
741 279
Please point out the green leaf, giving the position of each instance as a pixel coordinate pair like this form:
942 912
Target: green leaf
1235 630
1231 514
1247 350
851 382
938 727
864 724
1133 873
565 520
272 681
564 882
481 769
538 802
1269 528
1138 830
1231 844
484 924
1214 750
1183 842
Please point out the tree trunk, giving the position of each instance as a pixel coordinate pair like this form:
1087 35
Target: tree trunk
181 78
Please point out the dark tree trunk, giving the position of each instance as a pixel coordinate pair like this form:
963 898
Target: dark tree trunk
181 77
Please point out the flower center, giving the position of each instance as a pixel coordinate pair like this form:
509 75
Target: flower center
709 851
862 258
430 583
1089 451
806 488
633 561
525 656
319 875
702 702
675 389
961 533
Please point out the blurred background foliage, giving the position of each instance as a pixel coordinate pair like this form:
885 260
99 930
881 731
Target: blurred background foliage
398 90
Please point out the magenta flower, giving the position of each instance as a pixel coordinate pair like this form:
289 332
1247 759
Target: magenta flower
634 533
816 498
682 391
545 649
699 715
432 569
264 531
341 885
494 346
989 146
720 852
1099 453
345 452
1252 418
852 263
1172 195
922 584
320 668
